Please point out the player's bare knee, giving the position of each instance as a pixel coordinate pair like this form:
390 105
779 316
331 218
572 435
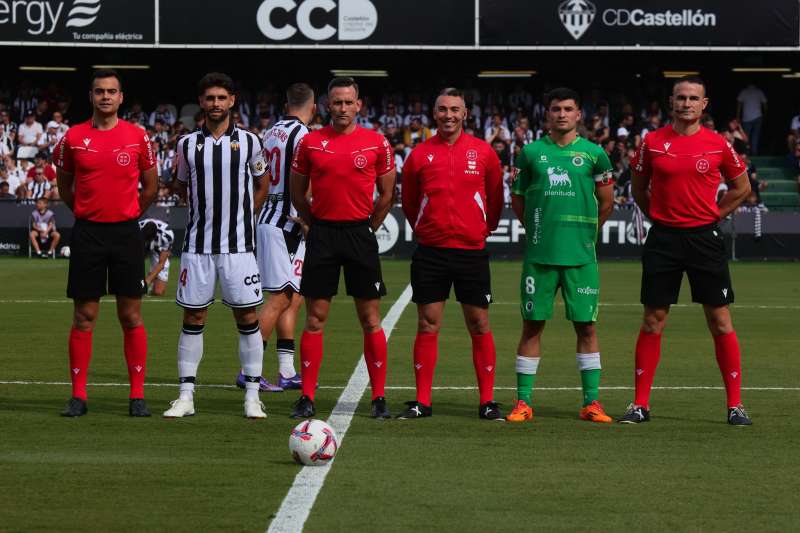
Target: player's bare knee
129 318
370 323
195 317
426 325
585 330
315 323
84 319
653 324
159 290
478 325
719 325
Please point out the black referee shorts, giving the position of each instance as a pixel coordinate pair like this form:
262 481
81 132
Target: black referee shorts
350 245
700 252
435 270
107 257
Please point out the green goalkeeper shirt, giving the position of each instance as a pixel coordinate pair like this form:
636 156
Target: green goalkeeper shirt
558 184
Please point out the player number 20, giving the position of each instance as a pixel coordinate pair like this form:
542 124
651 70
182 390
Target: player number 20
530 285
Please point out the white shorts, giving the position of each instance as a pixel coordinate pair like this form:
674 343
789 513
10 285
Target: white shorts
238 277
164 274
280 258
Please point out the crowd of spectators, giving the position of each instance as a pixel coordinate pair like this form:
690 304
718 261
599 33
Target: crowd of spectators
33 122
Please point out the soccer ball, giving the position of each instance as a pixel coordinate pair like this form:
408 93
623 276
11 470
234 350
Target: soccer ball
65 251
313 443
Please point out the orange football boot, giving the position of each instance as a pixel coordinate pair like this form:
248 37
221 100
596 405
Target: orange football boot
521 412
594 413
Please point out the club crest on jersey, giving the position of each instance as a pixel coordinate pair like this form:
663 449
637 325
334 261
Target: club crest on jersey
123 159
472 155
360 161
86 141
199 146
324 144
577 161
702 166
235 146
430 158
666 146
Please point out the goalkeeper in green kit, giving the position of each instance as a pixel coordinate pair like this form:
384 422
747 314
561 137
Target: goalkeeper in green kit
562 194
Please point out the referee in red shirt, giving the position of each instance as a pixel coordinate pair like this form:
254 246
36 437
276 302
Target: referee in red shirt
452 196
100 164
676 173
342 163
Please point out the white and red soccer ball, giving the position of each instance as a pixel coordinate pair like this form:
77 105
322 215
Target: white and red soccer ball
313 443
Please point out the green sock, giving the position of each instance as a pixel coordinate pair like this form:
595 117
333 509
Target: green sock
526 375
590 381
525 387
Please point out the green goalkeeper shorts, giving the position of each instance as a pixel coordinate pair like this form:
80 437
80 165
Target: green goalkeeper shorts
580 289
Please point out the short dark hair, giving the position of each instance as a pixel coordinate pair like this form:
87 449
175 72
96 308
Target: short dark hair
343 81
563 93
149 232
215 79
692 78
105 73
299 94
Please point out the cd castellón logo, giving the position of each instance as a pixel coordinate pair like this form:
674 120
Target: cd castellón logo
578 15
44 16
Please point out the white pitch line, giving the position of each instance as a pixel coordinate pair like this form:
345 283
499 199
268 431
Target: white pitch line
297 504
407 387
344 301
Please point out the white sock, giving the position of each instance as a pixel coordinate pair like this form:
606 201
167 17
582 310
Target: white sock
187 390
251 351
190 352
588 361
250 390
527 365
285 348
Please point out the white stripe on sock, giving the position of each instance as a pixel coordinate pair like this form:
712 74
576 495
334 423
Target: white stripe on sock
588 361
527 365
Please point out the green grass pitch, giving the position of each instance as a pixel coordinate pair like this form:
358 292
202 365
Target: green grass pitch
684 471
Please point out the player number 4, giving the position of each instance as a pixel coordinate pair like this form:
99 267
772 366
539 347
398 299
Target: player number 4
183 277
530 285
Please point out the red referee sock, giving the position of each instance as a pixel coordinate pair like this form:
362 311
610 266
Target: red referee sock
729 360
426 351
484 358
136 357
375 357
310 361
648 353
80 353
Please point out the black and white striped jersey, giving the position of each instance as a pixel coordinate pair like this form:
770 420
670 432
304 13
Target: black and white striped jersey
279 144
164 235
220 177
39 189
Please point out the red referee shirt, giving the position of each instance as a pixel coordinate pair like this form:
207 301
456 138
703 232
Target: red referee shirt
343 169
685 172
106 165
453 193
